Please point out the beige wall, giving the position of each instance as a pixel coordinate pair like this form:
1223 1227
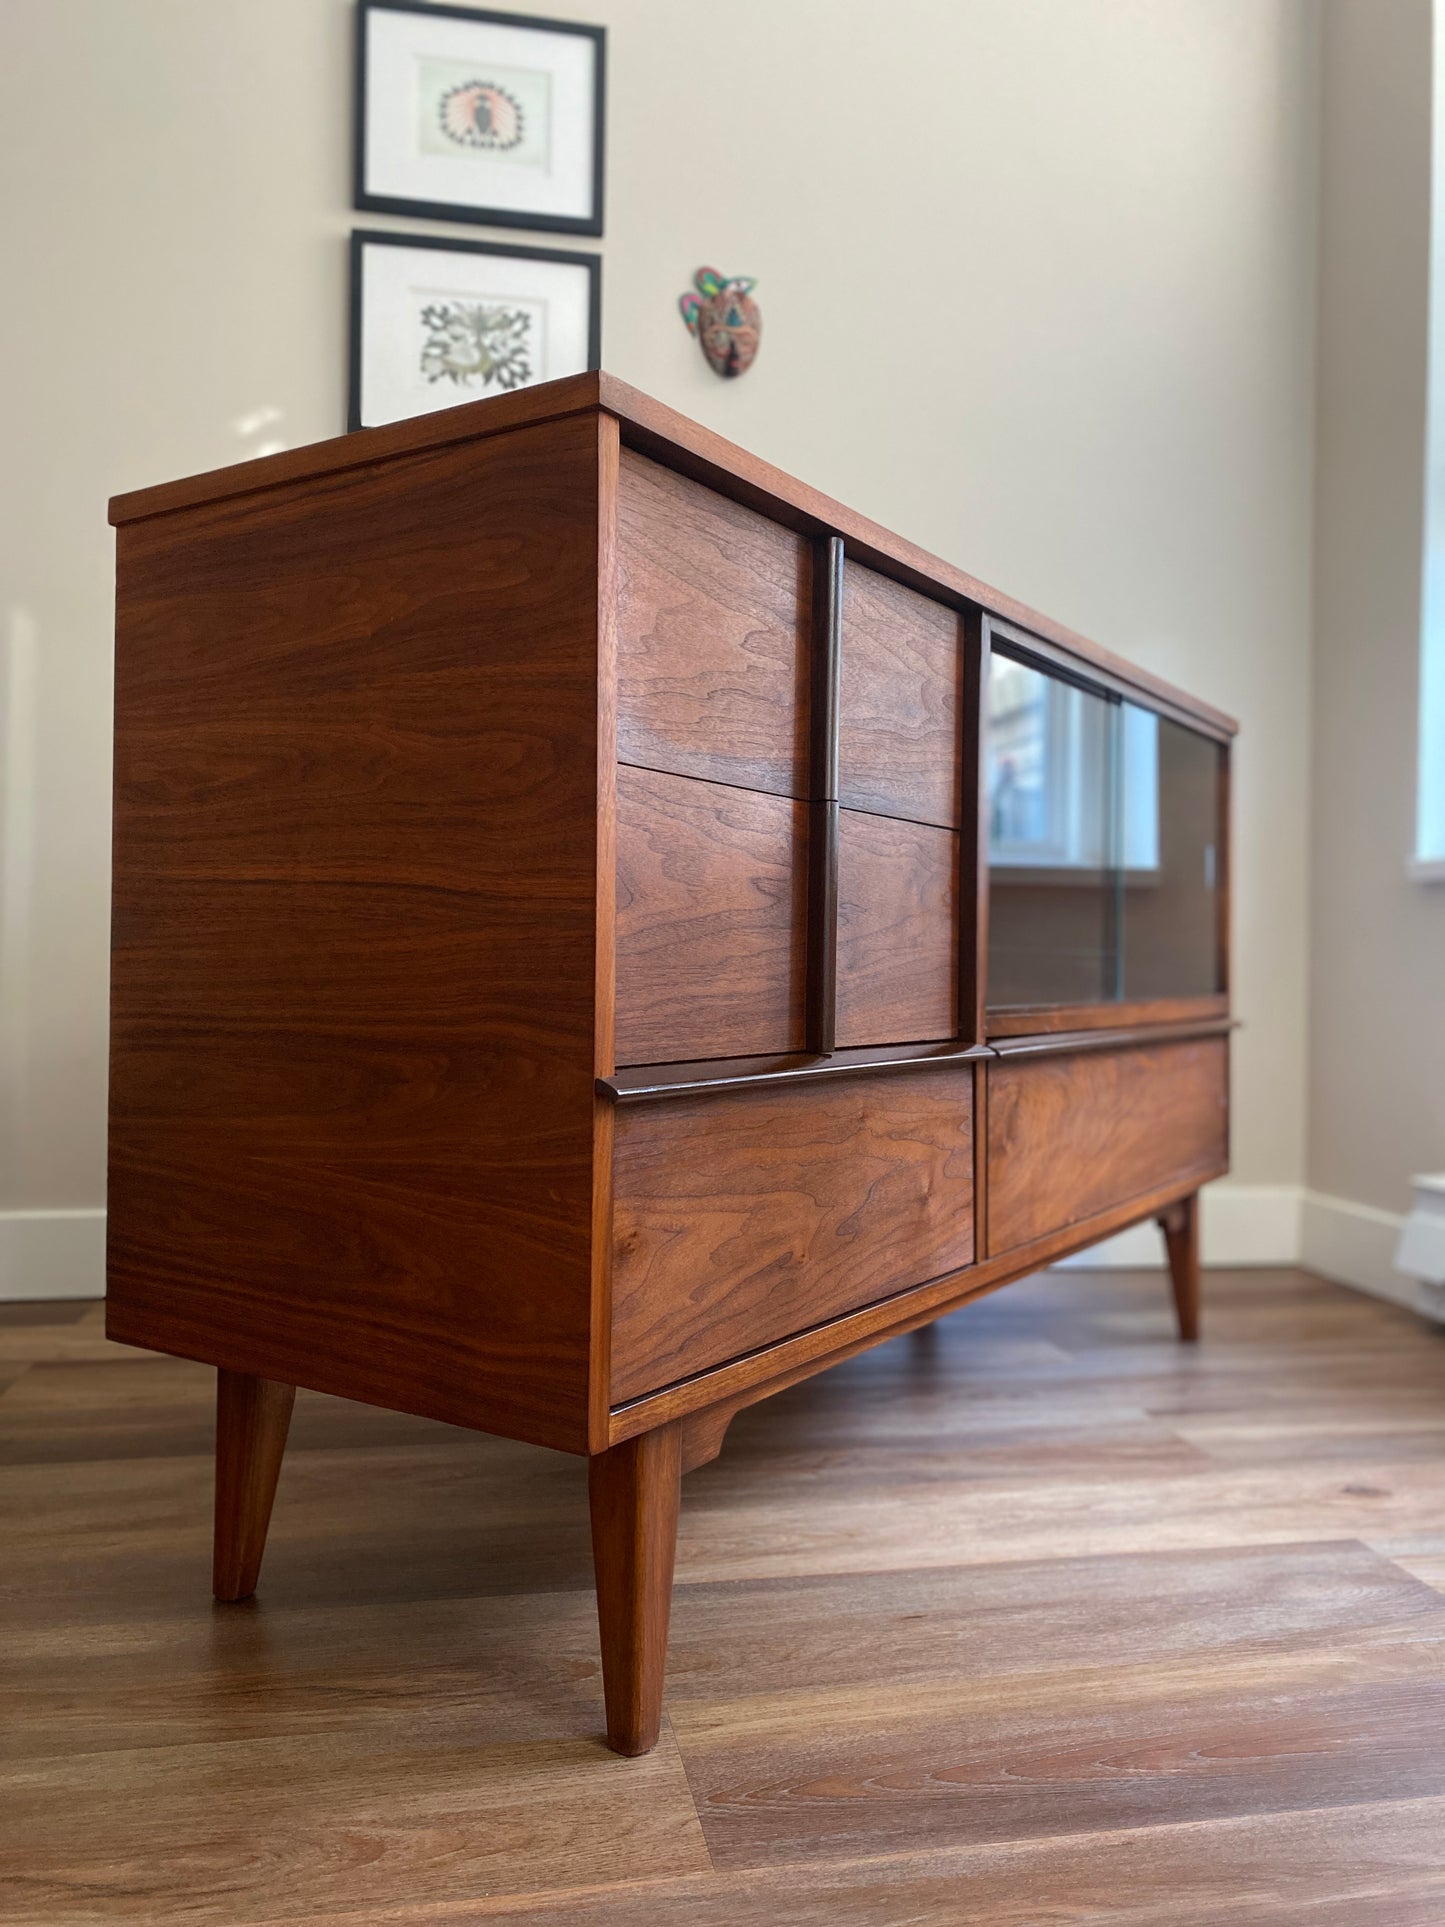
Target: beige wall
1377 984
1038 286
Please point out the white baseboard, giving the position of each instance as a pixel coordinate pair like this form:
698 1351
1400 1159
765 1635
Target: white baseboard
1242 1224
52 1254
1355 1245
1421 1251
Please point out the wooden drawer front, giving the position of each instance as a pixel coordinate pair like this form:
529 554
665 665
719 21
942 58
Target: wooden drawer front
897 931
898 745
712 620
745 1216
1070 1136
711 920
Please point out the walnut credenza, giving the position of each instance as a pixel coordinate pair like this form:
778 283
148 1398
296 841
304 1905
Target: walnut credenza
602 932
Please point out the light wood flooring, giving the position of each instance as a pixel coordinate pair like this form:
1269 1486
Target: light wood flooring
1039 1618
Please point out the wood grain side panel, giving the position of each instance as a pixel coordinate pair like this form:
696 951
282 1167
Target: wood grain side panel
743 1218
711 920
1072 1136
353 966
901 686
712 660
897 964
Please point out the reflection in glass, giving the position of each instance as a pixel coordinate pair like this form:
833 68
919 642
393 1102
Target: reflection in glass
1053 876
1104 860
1172 792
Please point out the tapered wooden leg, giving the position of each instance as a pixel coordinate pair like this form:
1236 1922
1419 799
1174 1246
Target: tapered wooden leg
252 1418
1180 1225
634 1491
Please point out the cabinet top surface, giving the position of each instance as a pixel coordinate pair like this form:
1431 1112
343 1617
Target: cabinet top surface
662 433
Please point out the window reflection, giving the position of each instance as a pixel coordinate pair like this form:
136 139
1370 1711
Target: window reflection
1053 915
1103 845
1139 790
1018 757
1048 770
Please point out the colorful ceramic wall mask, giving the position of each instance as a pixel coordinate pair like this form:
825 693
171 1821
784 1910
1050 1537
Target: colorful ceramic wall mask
725 319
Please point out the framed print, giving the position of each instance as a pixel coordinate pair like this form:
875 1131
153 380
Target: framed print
464 115
435 322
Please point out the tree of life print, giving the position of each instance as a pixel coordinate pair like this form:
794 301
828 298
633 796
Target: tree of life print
478 344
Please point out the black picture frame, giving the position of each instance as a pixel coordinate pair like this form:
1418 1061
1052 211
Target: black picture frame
366 203
363 238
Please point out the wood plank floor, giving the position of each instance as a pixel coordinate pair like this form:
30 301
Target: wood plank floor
1035 1618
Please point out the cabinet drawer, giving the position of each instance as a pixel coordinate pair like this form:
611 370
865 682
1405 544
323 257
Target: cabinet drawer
902 671
742 1217
897 931
711 920
712 617
1071 1136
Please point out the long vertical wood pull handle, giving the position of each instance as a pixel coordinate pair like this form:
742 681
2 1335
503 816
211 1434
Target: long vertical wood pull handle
823 725
973 844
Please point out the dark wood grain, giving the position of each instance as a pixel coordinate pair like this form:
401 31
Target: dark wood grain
1069 1135
899 708
897 930
835 1340
743 1218
634 1491
352 1067
1180 1225
712 620
711 919
253 1416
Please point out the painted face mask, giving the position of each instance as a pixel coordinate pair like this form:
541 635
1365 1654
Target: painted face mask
725 319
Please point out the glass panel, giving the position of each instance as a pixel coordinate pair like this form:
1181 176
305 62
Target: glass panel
1054 878
1172 781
